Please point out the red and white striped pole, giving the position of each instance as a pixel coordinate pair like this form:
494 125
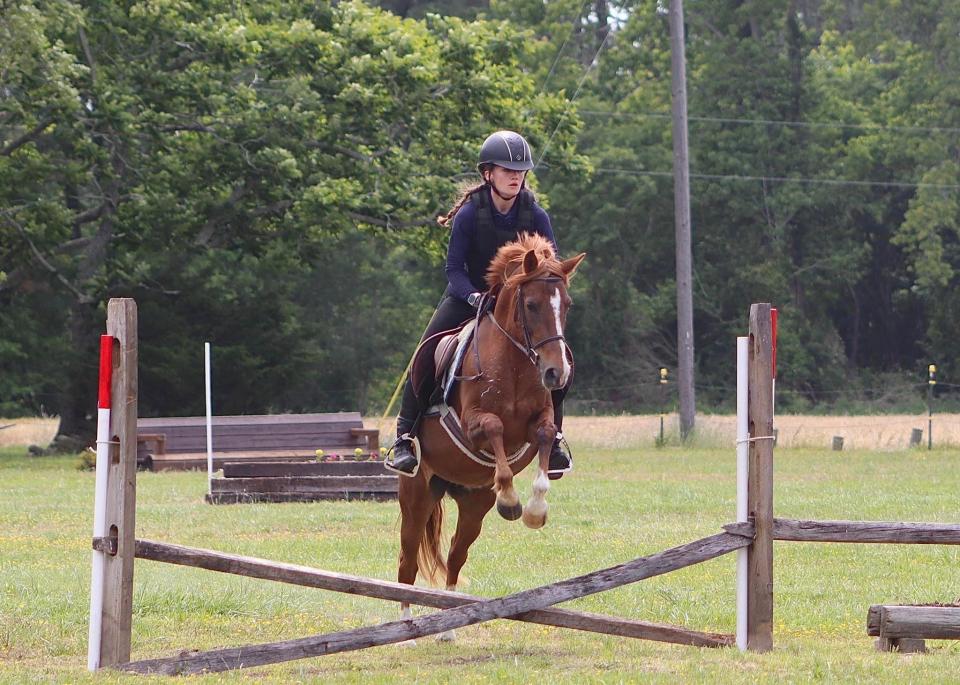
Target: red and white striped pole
100 500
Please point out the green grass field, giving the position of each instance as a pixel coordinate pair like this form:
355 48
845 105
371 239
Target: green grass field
617 506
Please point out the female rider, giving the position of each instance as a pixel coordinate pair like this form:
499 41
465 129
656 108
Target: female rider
485 217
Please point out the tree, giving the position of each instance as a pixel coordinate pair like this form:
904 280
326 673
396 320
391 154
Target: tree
203 158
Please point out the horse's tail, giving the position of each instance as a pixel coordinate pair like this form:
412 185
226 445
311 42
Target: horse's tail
430 561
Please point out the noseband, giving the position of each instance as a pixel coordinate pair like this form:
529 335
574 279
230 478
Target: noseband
528 347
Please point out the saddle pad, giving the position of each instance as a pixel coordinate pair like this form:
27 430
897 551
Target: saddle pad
462 339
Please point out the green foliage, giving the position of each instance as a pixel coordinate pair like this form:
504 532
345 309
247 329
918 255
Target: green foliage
267 176
255 177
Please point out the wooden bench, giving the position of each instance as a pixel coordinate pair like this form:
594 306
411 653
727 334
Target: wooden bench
180 442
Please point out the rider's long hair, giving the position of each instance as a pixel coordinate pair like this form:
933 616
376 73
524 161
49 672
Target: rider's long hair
466 191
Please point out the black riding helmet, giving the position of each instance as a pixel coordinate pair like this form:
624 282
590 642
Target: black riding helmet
506 149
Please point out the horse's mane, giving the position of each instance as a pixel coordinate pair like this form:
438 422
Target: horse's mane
506 270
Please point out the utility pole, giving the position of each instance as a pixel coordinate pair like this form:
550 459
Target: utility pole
681 204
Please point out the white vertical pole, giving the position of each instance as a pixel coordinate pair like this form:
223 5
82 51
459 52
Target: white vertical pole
97 571
206 367
743 450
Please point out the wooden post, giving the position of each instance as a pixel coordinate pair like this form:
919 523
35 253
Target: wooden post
760 482
121 485
681 206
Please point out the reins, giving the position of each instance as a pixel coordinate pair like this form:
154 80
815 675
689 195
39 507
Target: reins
528 348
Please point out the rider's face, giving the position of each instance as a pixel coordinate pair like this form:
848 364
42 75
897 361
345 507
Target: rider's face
507 181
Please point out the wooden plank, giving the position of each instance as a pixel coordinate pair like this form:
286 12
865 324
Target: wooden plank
252 567
263 439
306 484
760 482
349 417
890 532
305 496
934 623
449 619
259 469
198 460
121 485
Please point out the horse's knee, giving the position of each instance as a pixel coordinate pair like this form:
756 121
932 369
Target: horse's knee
546 434
486 426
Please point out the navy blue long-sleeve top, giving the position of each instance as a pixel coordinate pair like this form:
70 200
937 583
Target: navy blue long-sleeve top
466 269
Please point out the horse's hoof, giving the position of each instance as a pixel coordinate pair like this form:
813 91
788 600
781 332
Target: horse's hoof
511 513
448 636
533 521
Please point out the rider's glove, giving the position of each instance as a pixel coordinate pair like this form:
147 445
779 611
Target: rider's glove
473 299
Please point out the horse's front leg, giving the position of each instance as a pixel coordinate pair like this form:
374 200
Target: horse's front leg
488 428
535 513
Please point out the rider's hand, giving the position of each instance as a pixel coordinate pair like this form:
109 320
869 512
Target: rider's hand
474 299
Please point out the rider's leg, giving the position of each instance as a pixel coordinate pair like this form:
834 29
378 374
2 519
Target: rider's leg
402 458
561 460
451 312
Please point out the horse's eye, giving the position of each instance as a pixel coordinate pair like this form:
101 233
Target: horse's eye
531 305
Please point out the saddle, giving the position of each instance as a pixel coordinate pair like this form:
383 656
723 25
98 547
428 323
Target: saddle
439 358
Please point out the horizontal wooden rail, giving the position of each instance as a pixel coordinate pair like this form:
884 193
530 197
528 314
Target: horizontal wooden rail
890 532
252 567
407 629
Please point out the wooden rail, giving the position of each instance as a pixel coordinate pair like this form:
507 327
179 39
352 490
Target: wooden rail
252 567
476 612
888 532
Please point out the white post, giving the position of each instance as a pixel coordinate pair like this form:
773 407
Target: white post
97 574
206 366
743 450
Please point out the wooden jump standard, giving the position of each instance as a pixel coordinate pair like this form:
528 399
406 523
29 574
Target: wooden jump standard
756 535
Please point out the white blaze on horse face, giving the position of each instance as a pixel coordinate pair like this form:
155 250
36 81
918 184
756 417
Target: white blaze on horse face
555 303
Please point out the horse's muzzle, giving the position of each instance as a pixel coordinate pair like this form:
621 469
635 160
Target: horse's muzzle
552 378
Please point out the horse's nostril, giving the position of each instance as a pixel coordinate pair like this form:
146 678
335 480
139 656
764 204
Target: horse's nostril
550 377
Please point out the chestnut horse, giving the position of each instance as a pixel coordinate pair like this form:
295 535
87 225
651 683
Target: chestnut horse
503 402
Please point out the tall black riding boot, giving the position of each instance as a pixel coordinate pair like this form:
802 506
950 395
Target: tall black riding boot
561 459
403 458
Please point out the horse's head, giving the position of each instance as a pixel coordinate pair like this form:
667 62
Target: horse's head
533 302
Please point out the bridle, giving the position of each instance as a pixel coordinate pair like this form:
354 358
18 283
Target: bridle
528 347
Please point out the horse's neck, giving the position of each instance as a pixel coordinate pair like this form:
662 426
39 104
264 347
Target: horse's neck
500 348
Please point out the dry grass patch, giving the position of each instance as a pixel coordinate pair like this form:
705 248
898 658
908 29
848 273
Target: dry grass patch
35 431
880 432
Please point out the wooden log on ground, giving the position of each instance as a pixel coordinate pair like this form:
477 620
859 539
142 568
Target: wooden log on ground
449 619
252 567
891 532
919 622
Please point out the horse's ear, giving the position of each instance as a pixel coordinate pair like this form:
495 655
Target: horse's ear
568 266
530 262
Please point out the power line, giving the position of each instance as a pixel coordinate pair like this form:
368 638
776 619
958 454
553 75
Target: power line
774 122
783 179
576 23
586 72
